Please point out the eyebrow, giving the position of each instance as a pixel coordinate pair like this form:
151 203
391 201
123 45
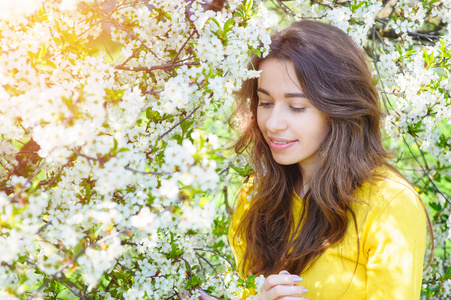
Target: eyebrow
287 95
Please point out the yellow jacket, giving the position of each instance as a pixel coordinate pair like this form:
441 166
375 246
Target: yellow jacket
392 236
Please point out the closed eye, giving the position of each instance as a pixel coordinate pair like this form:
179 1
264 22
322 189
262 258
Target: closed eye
264 104
297 109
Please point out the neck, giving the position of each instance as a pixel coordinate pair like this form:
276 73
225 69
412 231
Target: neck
302 188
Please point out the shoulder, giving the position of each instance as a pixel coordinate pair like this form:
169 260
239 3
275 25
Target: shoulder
391 200
394 238
391 204
388 189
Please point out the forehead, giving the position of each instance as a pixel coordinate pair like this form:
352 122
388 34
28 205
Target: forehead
278 75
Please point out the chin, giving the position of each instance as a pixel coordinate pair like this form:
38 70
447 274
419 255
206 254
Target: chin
284 162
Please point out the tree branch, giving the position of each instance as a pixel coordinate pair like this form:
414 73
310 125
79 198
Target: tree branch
183 46
82 251
425 172
160 67
217 253
173 127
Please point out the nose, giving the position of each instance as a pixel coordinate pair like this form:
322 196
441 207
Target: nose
276 121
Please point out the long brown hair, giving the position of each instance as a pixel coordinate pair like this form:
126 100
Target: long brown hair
333 73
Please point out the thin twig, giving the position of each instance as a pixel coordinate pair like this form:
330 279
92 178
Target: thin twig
183 46
147 173
422 155
101 160
423 35
425 172
133 55
217 253
374 56
286 9
225 169
47 223
209 263
28 182
51 181
200 264
70 286
190 274
82 251
160 67
173 127
152 92
135 37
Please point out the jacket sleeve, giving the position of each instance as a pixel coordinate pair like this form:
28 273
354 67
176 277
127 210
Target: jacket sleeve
395 245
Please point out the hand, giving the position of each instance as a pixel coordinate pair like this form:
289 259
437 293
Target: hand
283 286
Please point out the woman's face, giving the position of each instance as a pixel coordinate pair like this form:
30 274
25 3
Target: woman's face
290 124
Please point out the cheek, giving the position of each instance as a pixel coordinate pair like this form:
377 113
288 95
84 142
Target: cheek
260 120
323 129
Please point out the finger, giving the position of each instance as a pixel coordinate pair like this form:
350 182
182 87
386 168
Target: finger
285 290
274 280
284 272
204 295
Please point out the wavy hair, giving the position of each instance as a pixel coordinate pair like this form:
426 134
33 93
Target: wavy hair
333 73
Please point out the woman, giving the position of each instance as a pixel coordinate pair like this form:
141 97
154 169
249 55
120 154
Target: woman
323 204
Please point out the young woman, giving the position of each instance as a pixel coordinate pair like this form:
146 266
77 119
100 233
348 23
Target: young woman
324 204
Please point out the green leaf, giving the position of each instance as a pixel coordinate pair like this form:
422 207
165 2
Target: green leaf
248 6
357 6
34 186
427 58
178 138
79 247
239 13
186 125
435 206
228 25
152 116
88 190
43 51
115 144
22 259
71 60
49 63
216 21
448 272
114 95
246 171
408 53
256 51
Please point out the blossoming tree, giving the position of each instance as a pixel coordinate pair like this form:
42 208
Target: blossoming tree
112 160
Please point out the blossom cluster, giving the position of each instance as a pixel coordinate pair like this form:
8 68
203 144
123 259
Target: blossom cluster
107 171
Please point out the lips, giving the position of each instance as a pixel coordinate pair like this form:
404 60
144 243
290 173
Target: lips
279 144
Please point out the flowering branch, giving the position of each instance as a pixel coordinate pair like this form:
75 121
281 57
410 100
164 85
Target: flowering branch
178 123
160 67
